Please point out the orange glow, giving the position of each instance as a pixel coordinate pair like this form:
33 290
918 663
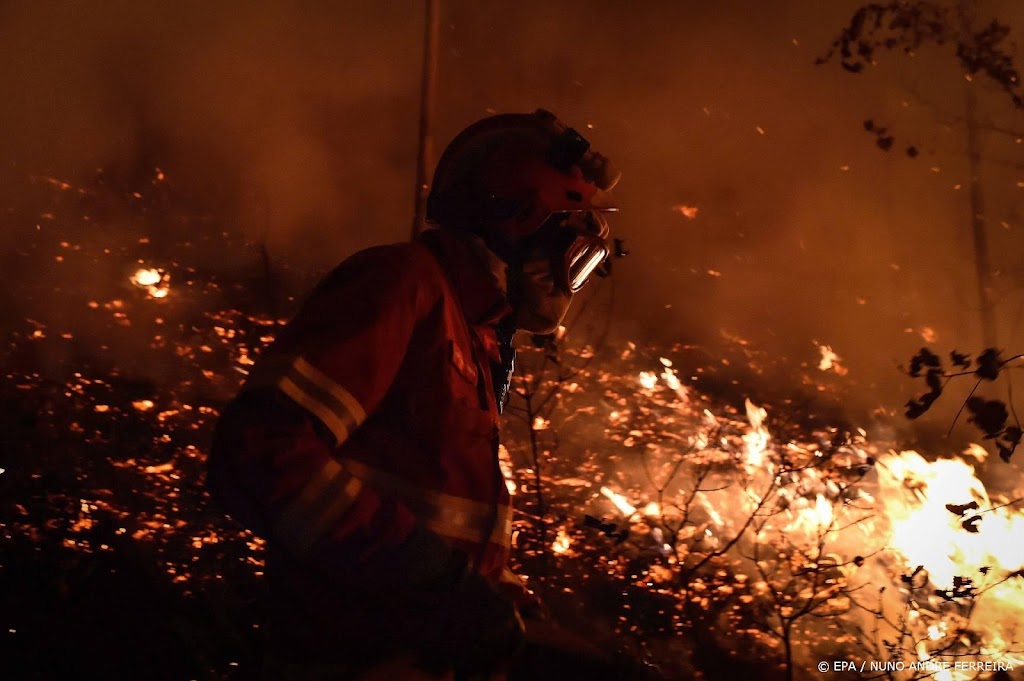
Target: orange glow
688 212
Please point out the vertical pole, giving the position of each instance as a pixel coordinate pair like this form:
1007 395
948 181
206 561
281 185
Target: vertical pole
982 267
425 156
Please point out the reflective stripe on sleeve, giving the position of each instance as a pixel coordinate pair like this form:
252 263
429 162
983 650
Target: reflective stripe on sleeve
470 528
320 504
315 392
502 533
447 515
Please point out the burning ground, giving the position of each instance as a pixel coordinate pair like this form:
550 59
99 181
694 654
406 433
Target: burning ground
708 533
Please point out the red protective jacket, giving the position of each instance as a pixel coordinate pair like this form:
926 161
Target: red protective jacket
371 418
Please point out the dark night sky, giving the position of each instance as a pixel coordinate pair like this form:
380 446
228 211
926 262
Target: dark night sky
815 233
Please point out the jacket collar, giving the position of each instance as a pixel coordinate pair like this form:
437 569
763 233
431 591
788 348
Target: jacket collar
470 268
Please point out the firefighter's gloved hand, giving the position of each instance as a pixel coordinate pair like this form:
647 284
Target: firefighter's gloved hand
476 630
530 606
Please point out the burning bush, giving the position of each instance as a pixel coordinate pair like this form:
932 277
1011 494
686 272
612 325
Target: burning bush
749 548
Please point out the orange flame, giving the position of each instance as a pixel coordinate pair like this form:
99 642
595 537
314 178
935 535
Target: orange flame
756 438
620 502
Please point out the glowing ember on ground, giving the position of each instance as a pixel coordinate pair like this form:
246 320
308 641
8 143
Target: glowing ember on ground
562 542
830 360
146 277
671 379
154 281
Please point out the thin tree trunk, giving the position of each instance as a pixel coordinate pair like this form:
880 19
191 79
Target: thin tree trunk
425 155
982 267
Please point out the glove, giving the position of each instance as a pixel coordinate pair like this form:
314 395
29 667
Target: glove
529 604
475 630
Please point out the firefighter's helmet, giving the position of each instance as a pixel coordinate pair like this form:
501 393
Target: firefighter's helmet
507 174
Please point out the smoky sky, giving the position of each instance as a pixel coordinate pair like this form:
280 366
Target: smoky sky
298 119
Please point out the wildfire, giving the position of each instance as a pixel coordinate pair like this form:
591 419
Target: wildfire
815 518
154 281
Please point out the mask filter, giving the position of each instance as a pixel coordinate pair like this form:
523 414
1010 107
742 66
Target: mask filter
584 255
579 248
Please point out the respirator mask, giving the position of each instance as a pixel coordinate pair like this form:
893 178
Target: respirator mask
556 261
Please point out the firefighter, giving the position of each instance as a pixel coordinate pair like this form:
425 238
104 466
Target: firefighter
364 443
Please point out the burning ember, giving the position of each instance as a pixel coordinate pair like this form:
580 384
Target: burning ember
688 212
562 542
830 360
154 281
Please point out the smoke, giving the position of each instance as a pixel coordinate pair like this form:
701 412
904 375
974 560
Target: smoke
805 231
296 123
313 111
